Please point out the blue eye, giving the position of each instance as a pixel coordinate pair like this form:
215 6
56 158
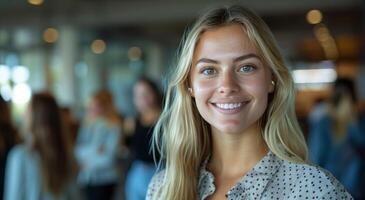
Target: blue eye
208 71
247 68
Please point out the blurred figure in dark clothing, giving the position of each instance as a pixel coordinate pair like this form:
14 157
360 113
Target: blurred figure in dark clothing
147 100
43 167
337 138
8 138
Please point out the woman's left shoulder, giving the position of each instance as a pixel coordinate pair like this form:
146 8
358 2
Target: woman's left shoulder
307 179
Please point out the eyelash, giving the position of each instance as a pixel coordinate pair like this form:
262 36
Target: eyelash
214 71
204 70
252 68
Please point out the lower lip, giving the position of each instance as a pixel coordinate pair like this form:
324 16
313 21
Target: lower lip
229 111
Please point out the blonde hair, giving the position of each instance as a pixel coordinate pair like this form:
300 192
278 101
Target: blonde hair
181 134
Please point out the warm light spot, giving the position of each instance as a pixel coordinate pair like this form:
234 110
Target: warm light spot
98 46
36 2
314 16
134 53
50 35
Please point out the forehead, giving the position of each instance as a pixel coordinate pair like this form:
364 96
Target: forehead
231 39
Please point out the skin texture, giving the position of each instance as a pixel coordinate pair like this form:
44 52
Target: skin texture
217 77
227 69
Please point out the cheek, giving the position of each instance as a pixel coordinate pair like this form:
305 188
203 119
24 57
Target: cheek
202 89
202 92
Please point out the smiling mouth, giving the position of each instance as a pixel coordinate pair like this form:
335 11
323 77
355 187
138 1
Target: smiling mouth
230 106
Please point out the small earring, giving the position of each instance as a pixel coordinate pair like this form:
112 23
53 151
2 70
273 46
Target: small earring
273 83
190 90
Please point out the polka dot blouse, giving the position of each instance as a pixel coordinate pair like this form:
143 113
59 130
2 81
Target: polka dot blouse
271 178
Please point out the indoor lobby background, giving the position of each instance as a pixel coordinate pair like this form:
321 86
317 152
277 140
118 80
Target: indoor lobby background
74 48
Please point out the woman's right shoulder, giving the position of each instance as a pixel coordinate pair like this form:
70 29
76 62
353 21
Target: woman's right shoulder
155 184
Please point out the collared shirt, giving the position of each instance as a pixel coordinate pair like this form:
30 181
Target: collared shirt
271 178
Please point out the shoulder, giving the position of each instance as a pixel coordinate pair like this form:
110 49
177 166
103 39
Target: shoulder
19 152
155 184
19 159
306 180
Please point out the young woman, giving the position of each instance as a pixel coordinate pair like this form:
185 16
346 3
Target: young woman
147 100
43 167
97 148
228 129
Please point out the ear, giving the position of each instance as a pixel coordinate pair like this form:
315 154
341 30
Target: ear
191 92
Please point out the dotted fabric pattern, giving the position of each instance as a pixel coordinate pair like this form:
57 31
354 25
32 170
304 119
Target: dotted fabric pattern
271 178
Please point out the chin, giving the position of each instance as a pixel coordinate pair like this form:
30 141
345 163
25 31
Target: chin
231 130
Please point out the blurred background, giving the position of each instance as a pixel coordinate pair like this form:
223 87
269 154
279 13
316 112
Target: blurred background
73 48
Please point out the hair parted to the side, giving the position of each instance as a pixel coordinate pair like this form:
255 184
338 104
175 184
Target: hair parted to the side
183 137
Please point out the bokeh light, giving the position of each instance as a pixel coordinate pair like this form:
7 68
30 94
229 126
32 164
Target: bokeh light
21 93
50 35
98 46
36 2
135 53
4 74
20 74
314 16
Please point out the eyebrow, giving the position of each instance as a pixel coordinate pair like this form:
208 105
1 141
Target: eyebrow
240 58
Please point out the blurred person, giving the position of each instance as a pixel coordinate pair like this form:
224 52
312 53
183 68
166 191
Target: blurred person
8 138
337 138
228 129
43 167
147 100
97 148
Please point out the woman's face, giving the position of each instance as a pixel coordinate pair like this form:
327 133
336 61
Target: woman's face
144 97
94 108
229 80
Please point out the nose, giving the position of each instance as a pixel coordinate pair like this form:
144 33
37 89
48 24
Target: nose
228 83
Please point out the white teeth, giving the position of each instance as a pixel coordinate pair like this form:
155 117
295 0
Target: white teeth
229 105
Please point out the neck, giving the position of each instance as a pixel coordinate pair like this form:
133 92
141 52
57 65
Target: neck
235 154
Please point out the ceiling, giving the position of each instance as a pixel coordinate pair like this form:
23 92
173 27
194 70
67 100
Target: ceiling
147 12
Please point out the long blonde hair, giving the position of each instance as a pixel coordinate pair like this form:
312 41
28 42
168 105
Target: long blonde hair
181 134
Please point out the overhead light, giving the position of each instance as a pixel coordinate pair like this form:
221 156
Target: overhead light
50 35
98 46
20 74
21 93
325 75
314 17
36 2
